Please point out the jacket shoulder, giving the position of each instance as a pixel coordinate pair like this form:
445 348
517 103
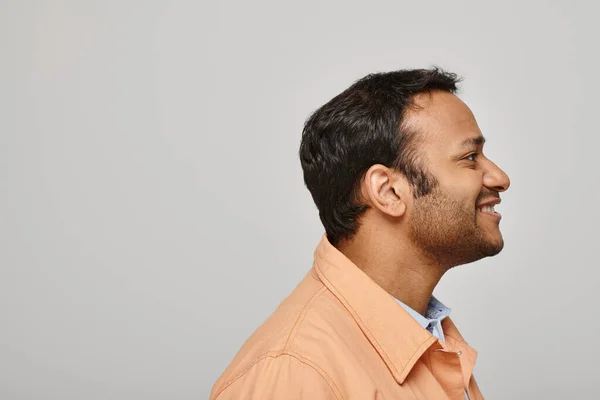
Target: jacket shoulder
276 340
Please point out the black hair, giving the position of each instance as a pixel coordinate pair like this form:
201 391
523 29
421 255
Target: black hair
362 126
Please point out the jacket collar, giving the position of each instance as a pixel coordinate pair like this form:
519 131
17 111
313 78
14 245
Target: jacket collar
398 338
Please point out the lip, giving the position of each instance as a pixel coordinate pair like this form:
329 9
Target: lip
490 202
495 215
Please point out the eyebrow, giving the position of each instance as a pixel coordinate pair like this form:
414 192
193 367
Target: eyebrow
477 140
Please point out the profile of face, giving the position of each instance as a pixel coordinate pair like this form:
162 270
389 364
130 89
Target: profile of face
449 223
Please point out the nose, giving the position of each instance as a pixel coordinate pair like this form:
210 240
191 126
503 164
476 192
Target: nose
496 179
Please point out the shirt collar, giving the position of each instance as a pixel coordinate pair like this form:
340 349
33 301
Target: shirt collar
436 311
393 332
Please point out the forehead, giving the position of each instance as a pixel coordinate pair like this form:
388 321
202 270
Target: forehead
443 119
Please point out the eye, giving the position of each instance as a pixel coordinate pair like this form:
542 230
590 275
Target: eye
474 155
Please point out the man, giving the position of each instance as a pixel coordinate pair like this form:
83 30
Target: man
395 165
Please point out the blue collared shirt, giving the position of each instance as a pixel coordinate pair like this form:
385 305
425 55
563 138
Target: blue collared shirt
432 321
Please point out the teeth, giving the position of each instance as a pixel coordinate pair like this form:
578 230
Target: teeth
489 209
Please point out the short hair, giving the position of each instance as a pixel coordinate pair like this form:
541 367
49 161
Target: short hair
362 126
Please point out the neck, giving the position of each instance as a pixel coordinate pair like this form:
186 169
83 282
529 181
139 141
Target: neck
395 265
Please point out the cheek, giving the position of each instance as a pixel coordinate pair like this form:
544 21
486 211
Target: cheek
465 190
469 186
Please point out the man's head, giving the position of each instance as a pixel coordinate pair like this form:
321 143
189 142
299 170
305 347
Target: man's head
399 151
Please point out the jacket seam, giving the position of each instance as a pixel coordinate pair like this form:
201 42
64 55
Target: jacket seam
292 333
287 350
278 354
302 316
319 370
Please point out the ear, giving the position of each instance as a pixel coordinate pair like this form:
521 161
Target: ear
387 190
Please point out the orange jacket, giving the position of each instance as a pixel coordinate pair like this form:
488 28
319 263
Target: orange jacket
339 335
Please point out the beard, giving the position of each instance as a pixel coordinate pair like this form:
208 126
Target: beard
448 232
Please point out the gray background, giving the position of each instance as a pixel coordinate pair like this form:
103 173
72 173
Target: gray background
152 208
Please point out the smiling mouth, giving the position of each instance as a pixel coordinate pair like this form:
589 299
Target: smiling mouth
489 210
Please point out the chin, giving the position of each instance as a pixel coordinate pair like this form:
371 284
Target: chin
493 247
